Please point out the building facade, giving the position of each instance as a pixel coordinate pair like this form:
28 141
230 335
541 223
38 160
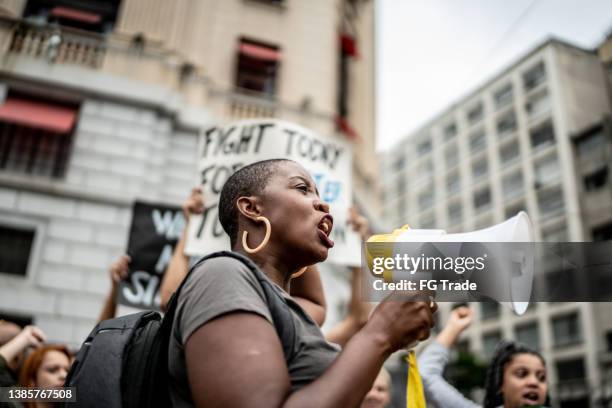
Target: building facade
525 140
101 104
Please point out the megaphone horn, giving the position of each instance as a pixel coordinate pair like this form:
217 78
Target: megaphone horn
509 282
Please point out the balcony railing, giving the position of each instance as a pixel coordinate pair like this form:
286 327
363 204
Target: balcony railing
243 105
65 46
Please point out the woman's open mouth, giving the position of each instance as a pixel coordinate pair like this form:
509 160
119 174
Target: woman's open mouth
324 228
531 398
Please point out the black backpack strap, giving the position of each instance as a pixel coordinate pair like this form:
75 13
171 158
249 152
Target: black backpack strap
279 309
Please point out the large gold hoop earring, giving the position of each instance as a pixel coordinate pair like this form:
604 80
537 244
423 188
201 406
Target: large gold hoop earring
299 273
265 240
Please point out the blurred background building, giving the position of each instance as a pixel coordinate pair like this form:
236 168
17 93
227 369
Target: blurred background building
537 138
101 103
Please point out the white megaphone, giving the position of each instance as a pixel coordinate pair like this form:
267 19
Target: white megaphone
510 283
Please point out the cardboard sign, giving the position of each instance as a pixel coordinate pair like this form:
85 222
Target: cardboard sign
224 150
154 232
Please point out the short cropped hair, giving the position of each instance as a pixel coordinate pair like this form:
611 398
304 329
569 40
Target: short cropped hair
249 180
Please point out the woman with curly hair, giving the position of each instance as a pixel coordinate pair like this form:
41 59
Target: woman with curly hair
516 378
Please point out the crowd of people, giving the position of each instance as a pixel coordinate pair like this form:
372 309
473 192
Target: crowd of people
224 333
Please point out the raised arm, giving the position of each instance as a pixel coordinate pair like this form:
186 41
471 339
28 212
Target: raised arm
359 310
117 272
307 290
434 358
30 336
247 351
179 263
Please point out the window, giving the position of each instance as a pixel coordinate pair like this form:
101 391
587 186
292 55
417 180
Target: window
597 179
609 340
534 77
529 335
503 96
547 171
489 310
602 233
450 131
509 152
401 185
451 156
482 198
555 234
454 213
514 209
489 342
506 125
538 105
399 163
453 184
92 15
592 143
428 222
425 169
258 66
478 141
35 136
512 185
475 114
551 202
401 208
479 169
542 136
424 147
570 369
16 244
566 330
18 319
426 199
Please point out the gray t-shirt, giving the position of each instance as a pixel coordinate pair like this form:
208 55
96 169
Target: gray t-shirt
223 285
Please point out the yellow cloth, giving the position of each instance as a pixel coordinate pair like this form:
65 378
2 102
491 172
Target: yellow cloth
415 397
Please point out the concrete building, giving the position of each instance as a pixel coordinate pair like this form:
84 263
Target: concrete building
102 102
524 140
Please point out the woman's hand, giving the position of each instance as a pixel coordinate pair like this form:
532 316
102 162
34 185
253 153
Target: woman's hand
359 223
30 336
194 204
179 263
459 320
402 319
119 269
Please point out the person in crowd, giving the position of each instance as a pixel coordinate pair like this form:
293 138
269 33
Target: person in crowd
12 353
358 310
224 349
46 367
118 271
307 289
8 330
379 395
516 377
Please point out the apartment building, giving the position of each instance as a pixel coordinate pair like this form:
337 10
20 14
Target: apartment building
524 140
101 104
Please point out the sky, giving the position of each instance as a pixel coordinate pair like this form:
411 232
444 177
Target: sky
430 53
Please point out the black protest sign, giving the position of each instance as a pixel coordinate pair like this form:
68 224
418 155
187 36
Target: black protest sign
155 230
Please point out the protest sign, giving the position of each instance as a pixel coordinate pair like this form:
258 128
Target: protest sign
224 150
154 232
